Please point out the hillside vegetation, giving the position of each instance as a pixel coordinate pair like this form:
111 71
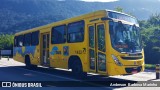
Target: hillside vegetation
150 30
19 15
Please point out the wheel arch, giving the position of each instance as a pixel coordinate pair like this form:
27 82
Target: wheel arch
72 59
25 58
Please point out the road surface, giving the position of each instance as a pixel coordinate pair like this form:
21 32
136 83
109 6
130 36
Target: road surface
11 70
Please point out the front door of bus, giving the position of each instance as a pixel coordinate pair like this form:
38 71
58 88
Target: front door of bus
97 47
45 49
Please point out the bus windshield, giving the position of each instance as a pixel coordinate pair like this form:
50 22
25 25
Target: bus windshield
125 38
120 16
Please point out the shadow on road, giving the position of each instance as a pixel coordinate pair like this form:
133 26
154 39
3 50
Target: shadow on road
68 74
93 80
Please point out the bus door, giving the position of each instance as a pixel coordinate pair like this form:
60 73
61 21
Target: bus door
45 50
97 48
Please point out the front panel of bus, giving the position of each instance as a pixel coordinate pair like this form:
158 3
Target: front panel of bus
126 53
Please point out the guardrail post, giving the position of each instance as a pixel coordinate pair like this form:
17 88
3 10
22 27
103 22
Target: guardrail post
157 71
8 58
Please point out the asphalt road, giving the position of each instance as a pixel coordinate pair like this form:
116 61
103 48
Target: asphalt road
16 71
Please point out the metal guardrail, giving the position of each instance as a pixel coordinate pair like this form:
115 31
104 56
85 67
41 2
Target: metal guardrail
8 53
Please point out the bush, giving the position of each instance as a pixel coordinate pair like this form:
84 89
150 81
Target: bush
6 41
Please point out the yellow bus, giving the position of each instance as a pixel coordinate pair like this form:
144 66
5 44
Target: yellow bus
105 42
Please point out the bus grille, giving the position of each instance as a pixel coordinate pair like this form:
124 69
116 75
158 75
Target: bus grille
132 58
129 70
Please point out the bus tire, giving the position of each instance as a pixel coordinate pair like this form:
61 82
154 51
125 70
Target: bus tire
77 70
28 63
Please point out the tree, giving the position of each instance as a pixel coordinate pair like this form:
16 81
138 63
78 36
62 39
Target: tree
6 41
150 31
154 19
119 9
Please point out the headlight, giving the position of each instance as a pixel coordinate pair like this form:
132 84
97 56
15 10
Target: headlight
116 60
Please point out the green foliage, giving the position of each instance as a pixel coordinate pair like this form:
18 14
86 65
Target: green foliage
150 31
119 9
150 66
6 41
154 19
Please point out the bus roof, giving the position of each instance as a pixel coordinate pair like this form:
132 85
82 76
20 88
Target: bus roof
120 13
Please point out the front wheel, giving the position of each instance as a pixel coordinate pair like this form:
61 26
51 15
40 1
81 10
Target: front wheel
77 70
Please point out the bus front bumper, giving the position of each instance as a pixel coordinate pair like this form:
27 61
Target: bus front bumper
123 70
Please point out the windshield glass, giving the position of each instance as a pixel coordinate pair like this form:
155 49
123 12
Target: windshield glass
125 38
122 17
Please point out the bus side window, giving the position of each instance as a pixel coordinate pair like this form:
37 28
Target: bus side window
19 41
27 39
58 34
76 32
35 38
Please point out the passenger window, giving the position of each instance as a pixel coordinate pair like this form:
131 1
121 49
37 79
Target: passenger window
58 34
35 38
20 41
27 39
76 32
